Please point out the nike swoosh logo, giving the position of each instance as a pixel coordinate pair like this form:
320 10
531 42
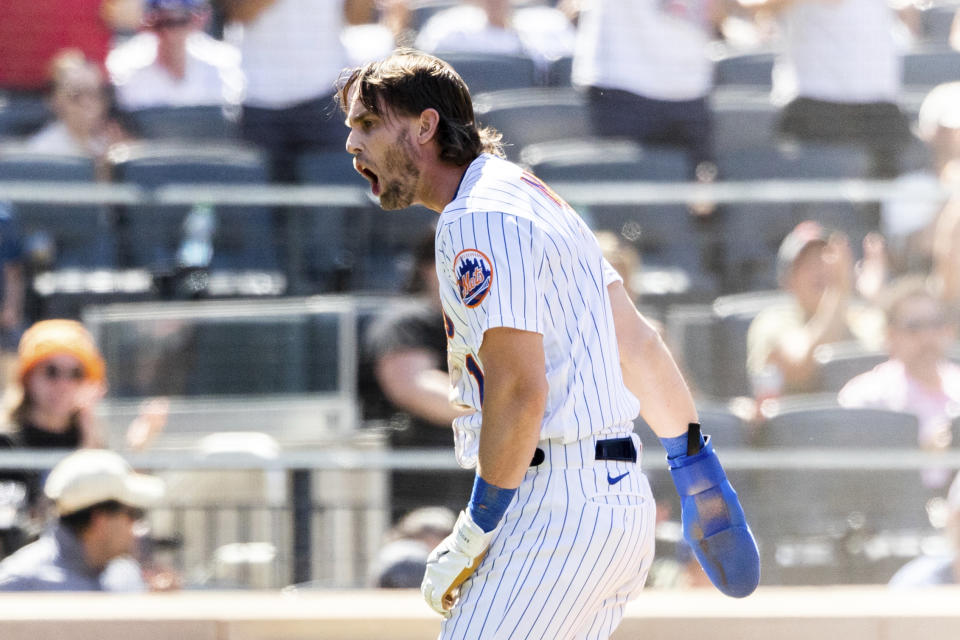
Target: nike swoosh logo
616 479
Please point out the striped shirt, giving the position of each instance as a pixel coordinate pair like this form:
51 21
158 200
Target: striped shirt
511 253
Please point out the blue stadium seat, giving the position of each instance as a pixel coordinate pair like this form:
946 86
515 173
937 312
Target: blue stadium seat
530 116
925 69
361 243
732 317
21 115
839 362
844 509
743 119
244 237
745 69
492 72
752 232
662 232
936 22
181 123
82 236
560 71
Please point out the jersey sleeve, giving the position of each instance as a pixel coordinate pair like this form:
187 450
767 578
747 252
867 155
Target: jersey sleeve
610 274
495 263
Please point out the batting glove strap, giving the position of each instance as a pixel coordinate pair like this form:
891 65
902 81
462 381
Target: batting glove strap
453 561
714 524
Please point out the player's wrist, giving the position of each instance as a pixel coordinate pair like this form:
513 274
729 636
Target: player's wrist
688 444
488 503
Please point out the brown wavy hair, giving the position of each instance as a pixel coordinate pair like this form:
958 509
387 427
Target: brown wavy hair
408 82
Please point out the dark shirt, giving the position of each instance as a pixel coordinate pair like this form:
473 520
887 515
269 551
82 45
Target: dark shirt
414 326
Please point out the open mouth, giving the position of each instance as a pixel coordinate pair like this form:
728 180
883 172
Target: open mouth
369 175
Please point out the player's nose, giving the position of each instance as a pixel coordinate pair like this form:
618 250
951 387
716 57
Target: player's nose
352 144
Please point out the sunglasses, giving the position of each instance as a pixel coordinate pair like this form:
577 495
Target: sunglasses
916 325
53 372
171 23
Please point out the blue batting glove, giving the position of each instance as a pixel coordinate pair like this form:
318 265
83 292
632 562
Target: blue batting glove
714 524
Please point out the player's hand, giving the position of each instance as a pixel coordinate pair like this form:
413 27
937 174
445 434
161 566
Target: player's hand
714 524
452 562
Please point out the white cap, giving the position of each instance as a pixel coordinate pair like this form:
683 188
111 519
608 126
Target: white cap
91 476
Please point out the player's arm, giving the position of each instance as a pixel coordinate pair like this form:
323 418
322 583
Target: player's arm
412 381
649 370
514 398
713 521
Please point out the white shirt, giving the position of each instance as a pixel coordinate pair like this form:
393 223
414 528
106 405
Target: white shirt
56 139
291 52
543 33
510 253
652 48
212 75
839 51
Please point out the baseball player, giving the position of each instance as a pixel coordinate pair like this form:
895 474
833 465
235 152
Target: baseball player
554 362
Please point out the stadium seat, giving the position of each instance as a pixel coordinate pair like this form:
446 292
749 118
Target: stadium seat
491 72
689 333
244 238
560 71
21 115
844 507
936 22
662 232
361 244
530 116
839 362
925 69
745 69
732 317
752 232
181 123
82 236
743 119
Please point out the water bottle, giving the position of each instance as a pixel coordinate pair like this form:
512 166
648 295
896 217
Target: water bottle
196 250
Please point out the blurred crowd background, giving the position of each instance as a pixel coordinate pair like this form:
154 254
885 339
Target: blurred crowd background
773 178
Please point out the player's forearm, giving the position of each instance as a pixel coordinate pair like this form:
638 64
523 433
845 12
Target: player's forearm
649 370
515 395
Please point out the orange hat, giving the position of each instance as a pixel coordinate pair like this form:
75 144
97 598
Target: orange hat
54 337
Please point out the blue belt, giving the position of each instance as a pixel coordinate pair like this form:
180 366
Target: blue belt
621 449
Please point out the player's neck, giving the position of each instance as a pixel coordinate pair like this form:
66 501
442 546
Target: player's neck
440 184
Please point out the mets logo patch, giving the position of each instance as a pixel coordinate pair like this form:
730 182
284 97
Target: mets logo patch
474 273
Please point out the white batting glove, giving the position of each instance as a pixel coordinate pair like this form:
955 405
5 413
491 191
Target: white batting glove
452 562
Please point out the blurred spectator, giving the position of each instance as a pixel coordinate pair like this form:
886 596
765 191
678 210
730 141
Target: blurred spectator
946 251
80 104
908 224
11 291
98 500
408 350
624 258
401 561
918 378
292 56
839 75
933 570
32 32
645 67
814 266
173 63
544 34
61 379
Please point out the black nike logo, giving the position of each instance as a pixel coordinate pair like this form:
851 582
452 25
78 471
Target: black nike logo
616 479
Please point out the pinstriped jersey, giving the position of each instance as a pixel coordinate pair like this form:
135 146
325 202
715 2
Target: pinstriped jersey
511 253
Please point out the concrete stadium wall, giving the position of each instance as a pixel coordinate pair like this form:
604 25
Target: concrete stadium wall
846 613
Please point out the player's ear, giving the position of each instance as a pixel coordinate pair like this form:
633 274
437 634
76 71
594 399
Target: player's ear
428 123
